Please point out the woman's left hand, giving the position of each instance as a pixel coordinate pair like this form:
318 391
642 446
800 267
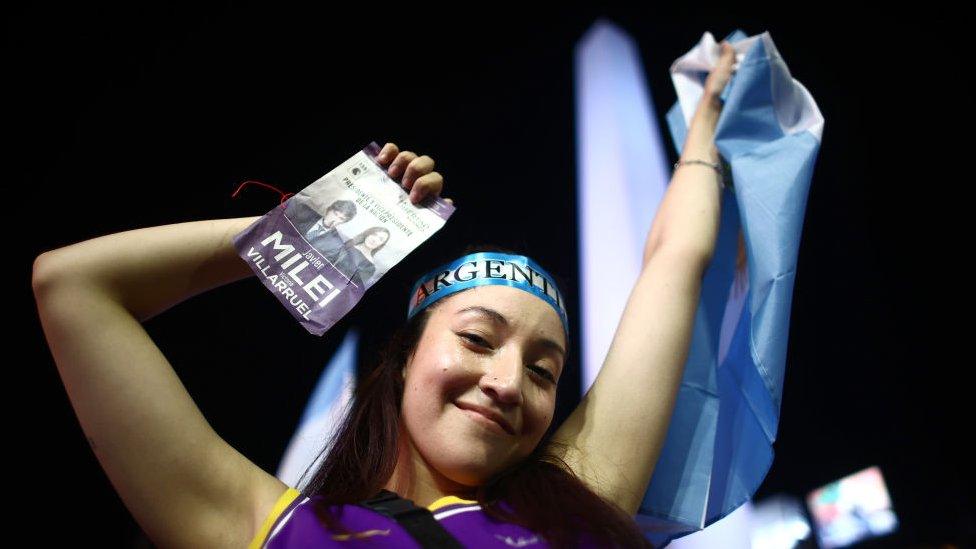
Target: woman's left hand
719 76
419 177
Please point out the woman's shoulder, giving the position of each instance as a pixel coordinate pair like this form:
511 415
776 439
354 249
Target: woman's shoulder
286 503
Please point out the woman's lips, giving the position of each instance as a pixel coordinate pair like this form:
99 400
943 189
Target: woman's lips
487 417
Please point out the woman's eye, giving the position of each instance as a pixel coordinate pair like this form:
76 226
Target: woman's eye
475 339
481 342
544 373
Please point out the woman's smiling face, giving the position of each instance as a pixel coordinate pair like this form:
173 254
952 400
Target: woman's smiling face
491 347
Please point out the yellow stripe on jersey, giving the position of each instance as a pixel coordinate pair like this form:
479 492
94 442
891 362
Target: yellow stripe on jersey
284 501
448 500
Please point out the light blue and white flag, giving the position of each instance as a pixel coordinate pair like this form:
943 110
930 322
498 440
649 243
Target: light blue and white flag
323 414
719 443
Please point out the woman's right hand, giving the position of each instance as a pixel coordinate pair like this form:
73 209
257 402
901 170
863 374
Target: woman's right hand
419 177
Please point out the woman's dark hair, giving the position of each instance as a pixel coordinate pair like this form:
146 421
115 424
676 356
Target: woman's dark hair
544 494
361 237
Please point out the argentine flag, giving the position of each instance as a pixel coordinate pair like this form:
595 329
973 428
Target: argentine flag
719 444
323 414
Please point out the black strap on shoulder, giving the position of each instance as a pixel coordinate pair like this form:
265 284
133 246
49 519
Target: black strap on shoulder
417 521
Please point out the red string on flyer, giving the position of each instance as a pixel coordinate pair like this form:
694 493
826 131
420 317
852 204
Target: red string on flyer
284 196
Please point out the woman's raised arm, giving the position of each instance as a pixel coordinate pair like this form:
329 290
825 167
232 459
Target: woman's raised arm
614 436
183 484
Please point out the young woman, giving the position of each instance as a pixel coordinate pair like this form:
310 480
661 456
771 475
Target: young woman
356 258
456 414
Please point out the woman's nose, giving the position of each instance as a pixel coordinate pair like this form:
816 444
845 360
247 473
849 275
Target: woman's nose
503 379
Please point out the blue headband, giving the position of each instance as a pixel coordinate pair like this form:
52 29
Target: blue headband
487 268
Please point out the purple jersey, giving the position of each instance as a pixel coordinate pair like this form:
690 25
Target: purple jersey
292 524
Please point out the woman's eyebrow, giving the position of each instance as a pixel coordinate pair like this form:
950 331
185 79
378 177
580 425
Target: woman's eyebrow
499 318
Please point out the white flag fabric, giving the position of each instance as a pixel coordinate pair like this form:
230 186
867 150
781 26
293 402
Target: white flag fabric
323 413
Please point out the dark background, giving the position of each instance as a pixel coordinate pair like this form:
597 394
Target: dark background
125 117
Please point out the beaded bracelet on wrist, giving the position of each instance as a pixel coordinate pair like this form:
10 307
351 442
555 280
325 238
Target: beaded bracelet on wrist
713 165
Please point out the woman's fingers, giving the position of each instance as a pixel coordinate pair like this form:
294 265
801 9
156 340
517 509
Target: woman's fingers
419 177
719 77
387 153
417 167
399 164
428 185
728 57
